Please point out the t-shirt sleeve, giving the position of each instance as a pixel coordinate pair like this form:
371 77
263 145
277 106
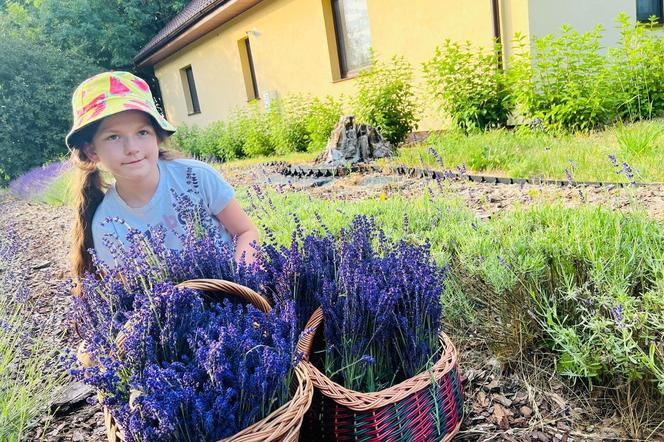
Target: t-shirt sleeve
218 192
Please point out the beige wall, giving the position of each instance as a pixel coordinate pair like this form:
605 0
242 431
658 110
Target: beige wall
290 51
546 16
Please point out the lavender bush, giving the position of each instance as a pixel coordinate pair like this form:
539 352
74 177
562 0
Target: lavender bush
38 179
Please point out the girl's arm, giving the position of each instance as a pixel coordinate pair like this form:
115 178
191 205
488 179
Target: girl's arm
237 223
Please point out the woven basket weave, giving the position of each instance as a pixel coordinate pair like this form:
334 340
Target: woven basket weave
283 424
427 407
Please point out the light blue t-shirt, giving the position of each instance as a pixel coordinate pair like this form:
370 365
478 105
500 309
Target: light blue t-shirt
193 178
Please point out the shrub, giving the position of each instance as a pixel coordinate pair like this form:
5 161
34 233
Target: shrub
323 115
566 82
636 67
386 99
36 83
288 124
253 126
469 85
187 139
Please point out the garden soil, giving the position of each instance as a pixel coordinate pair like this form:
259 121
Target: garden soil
526 403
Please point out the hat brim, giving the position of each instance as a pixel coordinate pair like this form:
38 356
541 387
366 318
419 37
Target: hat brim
167 127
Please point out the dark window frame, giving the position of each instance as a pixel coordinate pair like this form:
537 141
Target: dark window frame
193 95
252 69
341 47
658 10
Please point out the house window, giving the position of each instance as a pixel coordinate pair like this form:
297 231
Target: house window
189 86
351 28
248 70
646 8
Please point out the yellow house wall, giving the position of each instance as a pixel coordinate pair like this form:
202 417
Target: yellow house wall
291 55
513 18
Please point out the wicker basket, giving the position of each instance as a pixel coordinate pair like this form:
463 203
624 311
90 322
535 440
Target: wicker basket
427 407
283 424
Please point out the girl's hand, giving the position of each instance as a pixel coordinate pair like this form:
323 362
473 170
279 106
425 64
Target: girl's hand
236 221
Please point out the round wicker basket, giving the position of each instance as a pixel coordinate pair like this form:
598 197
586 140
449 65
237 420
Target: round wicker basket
284 423
427 407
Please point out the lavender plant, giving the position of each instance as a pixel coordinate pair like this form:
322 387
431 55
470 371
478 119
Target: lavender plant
37 180
380 300
184 371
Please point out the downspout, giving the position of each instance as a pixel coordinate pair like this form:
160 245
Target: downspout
497 33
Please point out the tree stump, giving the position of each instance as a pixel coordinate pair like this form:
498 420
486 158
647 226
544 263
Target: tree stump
353 143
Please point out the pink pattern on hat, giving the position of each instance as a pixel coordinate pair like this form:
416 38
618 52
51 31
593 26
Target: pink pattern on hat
117 87
92 104
135 104
141 84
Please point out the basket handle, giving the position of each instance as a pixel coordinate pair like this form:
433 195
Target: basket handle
221 286
306 340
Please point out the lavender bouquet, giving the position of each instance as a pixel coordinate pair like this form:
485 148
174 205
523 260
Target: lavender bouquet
185 369
380 301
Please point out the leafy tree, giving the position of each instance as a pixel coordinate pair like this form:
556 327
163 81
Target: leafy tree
109 32
36 83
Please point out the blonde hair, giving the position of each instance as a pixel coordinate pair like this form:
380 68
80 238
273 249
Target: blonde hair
89 188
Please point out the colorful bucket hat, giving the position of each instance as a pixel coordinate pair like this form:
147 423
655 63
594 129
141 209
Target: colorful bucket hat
109 93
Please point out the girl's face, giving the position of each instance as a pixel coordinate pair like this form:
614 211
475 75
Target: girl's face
127 145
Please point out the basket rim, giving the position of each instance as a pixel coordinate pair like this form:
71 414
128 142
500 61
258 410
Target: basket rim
363 401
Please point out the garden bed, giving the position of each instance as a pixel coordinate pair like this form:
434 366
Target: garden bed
528 402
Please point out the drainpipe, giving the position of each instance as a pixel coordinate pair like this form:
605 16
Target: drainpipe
495 11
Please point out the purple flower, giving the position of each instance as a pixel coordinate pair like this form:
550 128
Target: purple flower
37 180
617 313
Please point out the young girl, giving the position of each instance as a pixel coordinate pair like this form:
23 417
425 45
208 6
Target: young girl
117 125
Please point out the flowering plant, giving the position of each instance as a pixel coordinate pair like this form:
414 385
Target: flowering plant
183 371
380 300
184 368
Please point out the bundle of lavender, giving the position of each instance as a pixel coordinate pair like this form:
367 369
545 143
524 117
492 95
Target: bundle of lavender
185 368
383 369
380 300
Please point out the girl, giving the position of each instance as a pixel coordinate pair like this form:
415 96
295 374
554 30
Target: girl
117 125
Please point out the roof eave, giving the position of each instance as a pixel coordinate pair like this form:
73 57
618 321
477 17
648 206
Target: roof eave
203 23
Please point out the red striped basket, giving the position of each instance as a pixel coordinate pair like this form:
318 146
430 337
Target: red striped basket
427 407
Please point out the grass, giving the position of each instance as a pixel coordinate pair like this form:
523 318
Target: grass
30 374
528 154
545 276
59 193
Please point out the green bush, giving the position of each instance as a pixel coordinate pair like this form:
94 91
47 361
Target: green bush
564 81
469 85
36 83
230 142
293 124
187 139
637 67
386 99
253 126
288 128
323 115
